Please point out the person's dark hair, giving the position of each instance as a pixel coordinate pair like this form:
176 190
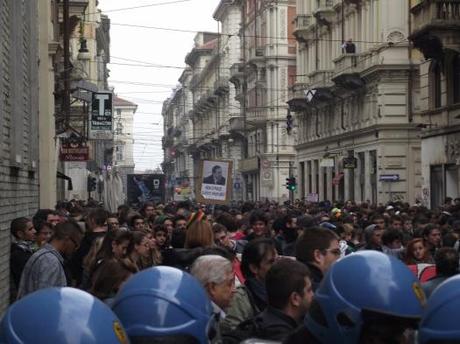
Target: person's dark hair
219 251
427 230
247 207
160 228
178 218
169 209
134 218
391 235
285 277
106 250
396 218
109 277
257 215
123 211
449 239
253 253
184 205
420 219
280 224
215 168
98 216
377 217
178 238
146 205
447 261
228 221
18 225
66 230
138 236
305 221
43 225
41 216
312 239
112 215
217 228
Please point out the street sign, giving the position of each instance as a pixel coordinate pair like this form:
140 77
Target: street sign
101 117
326 162
73 148
389 177
350 162
312 197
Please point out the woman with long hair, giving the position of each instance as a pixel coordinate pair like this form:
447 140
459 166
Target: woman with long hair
141 252
199 232
417 253
109 278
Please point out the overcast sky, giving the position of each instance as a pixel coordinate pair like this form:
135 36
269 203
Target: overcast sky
133 46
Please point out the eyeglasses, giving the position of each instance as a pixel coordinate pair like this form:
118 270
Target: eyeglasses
76 244
334 251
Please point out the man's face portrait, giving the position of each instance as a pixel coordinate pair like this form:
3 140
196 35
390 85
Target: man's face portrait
217 172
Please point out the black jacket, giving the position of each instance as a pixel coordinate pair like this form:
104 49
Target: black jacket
210 180
271 324
75 264
19 255
301 336
316 276
274 324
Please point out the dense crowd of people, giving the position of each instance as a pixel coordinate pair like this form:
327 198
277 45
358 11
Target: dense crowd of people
294 272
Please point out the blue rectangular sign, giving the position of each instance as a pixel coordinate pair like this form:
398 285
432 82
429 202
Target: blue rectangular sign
389 177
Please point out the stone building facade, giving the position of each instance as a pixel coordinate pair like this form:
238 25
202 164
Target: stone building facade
436 33
199 116
356 137
19 185
123 138
89 55
262 77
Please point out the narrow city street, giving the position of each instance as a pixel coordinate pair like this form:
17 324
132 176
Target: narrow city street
230 171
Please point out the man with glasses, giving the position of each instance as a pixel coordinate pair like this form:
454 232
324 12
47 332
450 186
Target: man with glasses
112 222
318 248
46 266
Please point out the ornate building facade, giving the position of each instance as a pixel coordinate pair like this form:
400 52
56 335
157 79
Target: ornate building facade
355 97
436 33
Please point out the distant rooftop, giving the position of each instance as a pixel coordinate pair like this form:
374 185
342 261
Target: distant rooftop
117 101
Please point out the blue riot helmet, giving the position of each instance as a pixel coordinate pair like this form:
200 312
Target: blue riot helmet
363 292
440 320
60 315
161 304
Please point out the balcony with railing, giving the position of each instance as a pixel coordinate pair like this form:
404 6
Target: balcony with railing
347 71
325 11
436 25
303 26
256 115
321 78
298 101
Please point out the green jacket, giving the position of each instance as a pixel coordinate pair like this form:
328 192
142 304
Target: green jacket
242 307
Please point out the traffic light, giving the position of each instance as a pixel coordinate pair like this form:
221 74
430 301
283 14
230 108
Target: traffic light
291 184
92 182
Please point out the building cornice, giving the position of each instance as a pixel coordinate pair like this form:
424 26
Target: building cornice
363 131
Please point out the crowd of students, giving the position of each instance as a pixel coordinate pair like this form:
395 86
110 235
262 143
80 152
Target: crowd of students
301 272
